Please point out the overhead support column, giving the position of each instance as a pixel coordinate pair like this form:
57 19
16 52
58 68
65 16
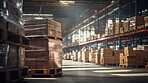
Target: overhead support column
119 11
130 39
136 9
120 43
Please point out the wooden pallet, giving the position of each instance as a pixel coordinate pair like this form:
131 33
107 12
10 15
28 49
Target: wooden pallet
146 66
11 38
127 66
46 37
13 75
52 72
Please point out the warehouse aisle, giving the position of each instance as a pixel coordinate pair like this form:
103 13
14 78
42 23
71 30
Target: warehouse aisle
79 72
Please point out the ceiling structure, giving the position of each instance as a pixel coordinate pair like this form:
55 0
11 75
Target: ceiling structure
68 14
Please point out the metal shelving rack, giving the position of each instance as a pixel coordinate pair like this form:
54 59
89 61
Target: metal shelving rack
112 11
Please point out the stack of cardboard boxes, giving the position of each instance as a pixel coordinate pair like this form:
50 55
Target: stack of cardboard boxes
136 23
85 54
132 57
146 21
93 53
45 50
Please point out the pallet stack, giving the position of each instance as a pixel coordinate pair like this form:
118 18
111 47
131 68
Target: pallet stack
12 42
106 56
136 23
44 57
146 21
119 28
85 54
116 54
126 26
80 56
93 53
132 57
97 57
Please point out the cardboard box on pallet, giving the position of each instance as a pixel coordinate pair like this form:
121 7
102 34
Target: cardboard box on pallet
39 30
118 26
126 26
146 21
85 55
117 56
112 29
97 57
80 56
106 56
93 52
128 51
136 22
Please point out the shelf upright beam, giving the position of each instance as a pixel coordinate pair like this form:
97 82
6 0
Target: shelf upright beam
115 43
119 11
136 41
120 43
106 46
136 8
130 39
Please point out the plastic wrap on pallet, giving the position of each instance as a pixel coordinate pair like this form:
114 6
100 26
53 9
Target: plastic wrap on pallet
9 56
11 11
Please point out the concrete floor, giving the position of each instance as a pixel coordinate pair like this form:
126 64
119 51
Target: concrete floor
79 72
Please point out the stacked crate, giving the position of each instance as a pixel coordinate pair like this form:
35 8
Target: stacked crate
126 26
85 54
136 23
11 41
80 56
97 57
116 54
45 52
119 28
146 21
93 53
106 56
112 29
132 57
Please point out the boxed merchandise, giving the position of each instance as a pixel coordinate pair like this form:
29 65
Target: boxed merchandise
136 23
118 26
126 26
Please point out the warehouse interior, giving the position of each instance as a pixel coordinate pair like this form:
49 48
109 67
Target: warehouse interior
73 41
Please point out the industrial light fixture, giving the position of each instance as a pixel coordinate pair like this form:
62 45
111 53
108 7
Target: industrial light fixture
67 2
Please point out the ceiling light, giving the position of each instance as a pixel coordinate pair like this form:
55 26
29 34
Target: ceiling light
67 2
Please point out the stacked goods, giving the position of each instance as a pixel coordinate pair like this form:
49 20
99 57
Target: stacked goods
42 27
106 32
126 26
146 21
75 55
93 52
136 23
11 21
119 28
9 56
97 57
117 56
11 15
12 33
85 55
133 57
112 29
65 57
106 56
45 52
80 56
22 57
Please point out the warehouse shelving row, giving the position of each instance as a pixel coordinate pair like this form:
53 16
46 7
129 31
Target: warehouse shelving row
114 11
